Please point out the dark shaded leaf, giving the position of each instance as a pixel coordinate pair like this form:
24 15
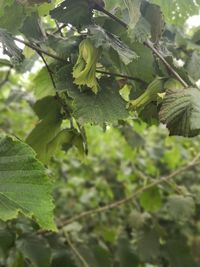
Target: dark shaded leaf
9 46
36 249
148 245
74 12
32 28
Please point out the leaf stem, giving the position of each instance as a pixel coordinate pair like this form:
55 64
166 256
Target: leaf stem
119 75
101 9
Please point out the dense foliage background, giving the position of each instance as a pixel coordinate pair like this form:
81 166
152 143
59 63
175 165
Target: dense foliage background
99 125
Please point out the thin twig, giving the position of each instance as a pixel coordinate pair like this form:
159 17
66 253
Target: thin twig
6 78
38 49
147 43
119 75
148 178
76 252
59 30
100 8
57 97
135 195
48 69
84 137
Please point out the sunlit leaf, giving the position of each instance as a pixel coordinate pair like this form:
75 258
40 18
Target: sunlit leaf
24 186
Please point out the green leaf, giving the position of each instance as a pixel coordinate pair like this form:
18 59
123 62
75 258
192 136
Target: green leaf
154 17
24 186
177 11
65 139
17 260
99 109
42 84
35 249
106 40
142 67
125 253
96 255
113 4
134 139
148 245
180 111
151 200
32 28
172 158
62 258
64 47
141 32
193 66
133 7
3 5
178 253
74 12
181 208
48 110
44 8
7 239
13 17
10 48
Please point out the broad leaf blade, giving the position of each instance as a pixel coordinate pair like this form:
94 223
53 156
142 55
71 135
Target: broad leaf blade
181 208
10 48
133 7
13 17
75 12
98 109
180 111
173 8
24 186
48 110
102 38
36 249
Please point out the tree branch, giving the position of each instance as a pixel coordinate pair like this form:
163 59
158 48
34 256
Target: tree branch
123 201
148 43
